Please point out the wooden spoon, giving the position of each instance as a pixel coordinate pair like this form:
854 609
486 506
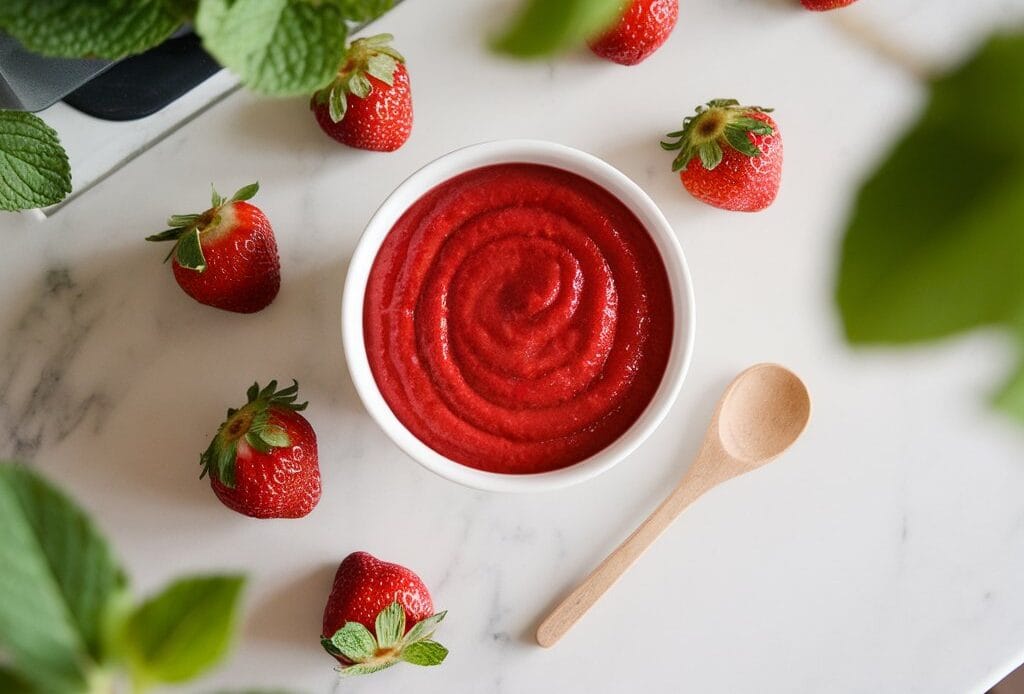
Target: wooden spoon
762 412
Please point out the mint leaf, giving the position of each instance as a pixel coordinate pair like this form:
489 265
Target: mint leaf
934 246
34 170
279 47
94 28
424 653
362 11
184 630
390 625
355 642
58 579
545 27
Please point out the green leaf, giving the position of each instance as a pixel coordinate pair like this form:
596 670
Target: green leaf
382 66
246 192
935 244
275 436
182 220
355 642
94 28
424 628
59 581
546 27
280 47
710 154
34 170
424 652
362 11
736 136
189 251
366 668
184 630
13 683
390 625
337 103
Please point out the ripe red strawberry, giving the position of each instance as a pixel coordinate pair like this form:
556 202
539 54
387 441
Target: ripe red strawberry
644 26
379 614
263 461
369 103
225 257
730 155
822 5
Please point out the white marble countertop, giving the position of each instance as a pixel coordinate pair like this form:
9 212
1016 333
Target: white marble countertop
882 554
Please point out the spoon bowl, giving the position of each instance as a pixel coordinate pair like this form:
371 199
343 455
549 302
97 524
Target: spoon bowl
762 413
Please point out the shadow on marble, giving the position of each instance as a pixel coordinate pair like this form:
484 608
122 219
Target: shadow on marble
663 482
292 613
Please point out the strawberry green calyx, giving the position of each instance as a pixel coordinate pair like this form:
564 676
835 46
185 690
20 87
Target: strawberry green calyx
369 57
187 229
720 123
369 652
252 423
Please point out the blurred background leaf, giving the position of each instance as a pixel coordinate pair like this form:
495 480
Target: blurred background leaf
546 27
935 244
58 578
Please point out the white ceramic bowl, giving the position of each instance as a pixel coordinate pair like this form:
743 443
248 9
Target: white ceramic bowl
502 152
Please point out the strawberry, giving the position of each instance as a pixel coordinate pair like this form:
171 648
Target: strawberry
644 26
225 257
263 460
369 103
730 155
822 5
379 614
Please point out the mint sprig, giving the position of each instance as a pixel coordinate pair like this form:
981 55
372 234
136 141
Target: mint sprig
34 170
370 652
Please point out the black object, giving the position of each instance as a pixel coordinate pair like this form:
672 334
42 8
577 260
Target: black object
143 84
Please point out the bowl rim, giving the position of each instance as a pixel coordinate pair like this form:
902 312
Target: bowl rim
511 151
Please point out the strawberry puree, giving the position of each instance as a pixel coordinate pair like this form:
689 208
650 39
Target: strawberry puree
518 318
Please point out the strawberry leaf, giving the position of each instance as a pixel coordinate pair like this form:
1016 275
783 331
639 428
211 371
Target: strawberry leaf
279 47
424 628
34 170
366 668
246 192
355 642
390 625
424 652
189 251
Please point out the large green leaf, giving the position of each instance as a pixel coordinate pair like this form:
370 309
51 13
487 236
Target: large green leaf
34 169
280 47
184 630
935 245
544 27
58 579
93 28
362 11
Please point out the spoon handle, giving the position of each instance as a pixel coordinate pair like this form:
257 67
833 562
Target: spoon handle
701 477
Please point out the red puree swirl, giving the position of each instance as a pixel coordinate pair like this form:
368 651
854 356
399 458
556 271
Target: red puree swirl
518 318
